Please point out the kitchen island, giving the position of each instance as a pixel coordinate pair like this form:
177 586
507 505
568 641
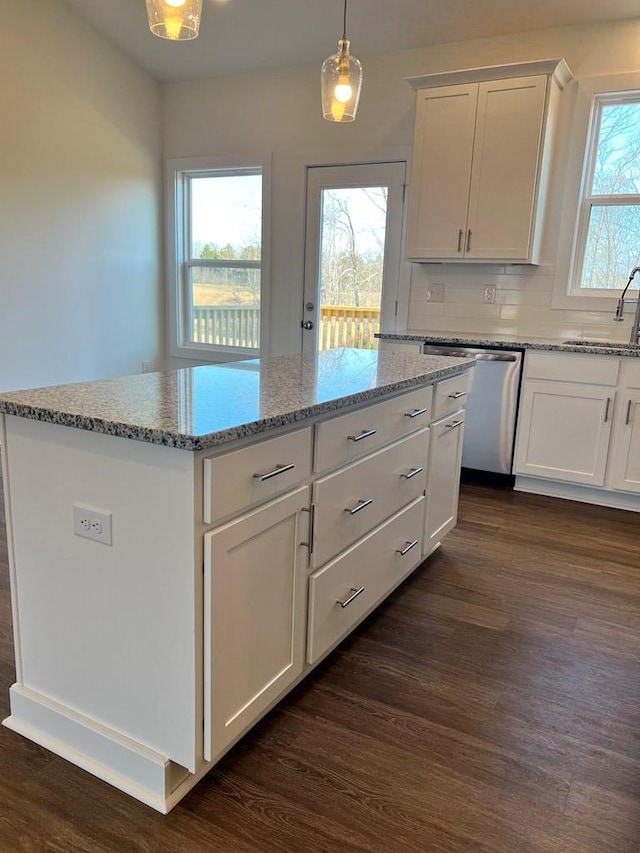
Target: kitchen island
185 546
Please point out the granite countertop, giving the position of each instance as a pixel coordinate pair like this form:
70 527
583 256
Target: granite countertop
201 407
517 342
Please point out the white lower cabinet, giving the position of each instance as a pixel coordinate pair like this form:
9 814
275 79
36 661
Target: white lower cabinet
579 425
359 529
565 431
624 463
254 615
445 454
344 590
352 501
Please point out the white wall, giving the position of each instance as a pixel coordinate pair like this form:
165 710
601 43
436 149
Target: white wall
80 202
279 112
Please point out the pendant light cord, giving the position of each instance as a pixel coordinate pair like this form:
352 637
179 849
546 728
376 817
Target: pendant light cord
344 27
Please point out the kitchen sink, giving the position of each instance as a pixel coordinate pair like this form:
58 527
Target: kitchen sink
604 344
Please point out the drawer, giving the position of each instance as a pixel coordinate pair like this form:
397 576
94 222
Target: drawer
342 439
630 372
450 395
567 367
257 473
365 574
354 500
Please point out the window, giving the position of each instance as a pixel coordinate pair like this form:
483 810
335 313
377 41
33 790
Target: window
217 263
607 242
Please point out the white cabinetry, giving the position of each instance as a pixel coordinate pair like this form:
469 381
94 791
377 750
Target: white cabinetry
445 455
624 467
254 604
357 523
480 162
233 571
579 426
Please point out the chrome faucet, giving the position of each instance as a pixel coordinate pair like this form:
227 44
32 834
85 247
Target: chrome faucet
635 326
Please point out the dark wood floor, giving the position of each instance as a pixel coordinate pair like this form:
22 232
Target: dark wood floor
492 704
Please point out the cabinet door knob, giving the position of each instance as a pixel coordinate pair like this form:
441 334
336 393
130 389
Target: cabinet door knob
468 249
627 419
606 410
460 233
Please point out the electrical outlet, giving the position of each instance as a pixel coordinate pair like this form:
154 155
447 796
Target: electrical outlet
92 523
147 367
435 293
489 294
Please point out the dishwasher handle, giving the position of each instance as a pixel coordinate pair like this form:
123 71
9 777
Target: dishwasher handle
477 354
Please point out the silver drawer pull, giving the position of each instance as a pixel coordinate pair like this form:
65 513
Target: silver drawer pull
279 469
354 594
454 424
457 395
408 546
364 434
627 420
606 411
412 473
415 413
361 505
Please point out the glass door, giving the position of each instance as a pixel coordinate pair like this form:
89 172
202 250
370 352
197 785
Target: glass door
352 254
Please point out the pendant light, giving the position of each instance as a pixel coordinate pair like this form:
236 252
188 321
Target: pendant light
177 20
341 81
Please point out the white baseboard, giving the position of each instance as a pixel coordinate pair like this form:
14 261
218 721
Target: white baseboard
572 492
129 766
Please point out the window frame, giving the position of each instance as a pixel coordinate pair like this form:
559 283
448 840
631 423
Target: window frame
587 199
180 262
581 152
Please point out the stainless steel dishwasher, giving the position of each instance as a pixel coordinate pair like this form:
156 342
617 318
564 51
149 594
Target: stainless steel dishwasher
491 406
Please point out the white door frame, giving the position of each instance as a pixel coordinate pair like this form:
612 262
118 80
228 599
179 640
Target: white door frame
395 298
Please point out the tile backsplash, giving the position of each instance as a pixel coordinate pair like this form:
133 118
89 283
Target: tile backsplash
522 306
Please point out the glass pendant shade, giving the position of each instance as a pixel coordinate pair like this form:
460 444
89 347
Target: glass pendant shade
177 20
340 82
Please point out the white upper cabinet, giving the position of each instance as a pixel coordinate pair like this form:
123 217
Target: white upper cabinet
480 162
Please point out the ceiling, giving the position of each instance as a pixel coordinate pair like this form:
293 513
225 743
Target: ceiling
249 35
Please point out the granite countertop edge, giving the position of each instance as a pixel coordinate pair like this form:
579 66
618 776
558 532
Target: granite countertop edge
186 441
616 349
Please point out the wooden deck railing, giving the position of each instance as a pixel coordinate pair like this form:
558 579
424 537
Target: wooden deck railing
239 326
348 326
226 325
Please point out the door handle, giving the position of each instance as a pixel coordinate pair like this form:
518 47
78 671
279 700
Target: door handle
307 324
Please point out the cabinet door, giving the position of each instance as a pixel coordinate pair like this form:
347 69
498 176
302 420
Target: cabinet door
443 485
564 431
440 171
254 615
504 176
625 460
